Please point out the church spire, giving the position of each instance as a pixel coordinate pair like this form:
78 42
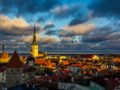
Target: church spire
34 46
34 36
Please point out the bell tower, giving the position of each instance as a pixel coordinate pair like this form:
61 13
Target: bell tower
34 46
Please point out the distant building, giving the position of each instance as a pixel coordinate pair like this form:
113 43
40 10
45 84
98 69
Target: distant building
16 72
4 58
2 76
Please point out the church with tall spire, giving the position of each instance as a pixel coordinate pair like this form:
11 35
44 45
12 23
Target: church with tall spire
34 47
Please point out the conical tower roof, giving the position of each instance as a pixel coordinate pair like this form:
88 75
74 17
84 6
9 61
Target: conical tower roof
34 37
15 61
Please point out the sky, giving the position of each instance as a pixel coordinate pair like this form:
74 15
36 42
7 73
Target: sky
63 26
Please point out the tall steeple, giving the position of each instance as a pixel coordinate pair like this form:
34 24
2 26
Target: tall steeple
34 46
34 36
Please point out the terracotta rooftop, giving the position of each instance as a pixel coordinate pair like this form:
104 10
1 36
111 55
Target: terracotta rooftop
41 62
86 55
15 61
4 55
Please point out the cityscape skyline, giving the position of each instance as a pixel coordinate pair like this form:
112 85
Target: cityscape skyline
59 44
63 26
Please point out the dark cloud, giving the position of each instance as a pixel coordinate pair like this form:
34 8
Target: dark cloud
105 7
76 21
15 31
7 38
94 39
27 6
41 19
52 32
110 31
103 40
109 46
98 35
67 10
48 26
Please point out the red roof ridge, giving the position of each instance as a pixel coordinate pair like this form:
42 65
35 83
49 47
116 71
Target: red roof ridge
15 61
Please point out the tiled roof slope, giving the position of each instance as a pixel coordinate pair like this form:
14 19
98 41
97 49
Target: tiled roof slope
15 61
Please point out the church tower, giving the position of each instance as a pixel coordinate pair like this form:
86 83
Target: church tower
34 46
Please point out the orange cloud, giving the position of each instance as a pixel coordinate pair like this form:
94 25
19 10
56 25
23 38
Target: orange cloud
42 39
6 22
14 26
80 29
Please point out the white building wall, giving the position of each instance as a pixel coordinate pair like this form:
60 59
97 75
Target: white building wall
2 77
14 77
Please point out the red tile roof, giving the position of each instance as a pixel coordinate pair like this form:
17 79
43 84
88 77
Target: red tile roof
5 55
45 81
41 62
15 61
86 55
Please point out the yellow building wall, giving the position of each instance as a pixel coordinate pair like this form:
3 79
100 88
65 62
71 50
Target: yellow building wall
4 60
34 50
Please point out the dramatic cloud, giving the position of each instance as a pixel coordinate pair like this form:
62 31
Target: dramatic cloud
52 32
66 11
107 29
42 39
98 35
76 21
15 26
114 35
64 26
80 29
105 7
25 6
49 25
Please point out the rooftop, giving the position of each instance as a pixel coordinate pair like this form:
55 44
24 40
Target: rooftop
15 61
